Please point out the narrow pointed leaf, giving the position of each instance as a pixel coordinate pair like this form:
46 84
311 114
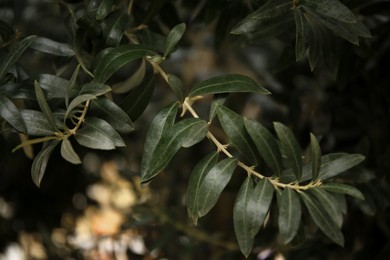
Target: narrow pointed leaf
196 179
339 165
322 219
49 46
100 7
250 209
233 125
289 215
266 144
329 202
37 124
115 24
343 189
333 9
13 55
135 103
213 184
10 113
135 80
44 106
218 100
228 84
95 89
72 88
315 156
290 146
116 58
177 87
301 38
270 9
112 113
173 38
98 134
195 135
168 145
40 162
68 153
78 101
54 86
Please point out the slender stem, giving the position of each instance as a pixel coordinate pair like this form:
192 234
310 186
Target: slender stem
81 119
34 141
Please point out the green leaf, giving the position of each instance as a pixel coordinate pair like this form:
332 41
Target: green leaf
228 84
40 162
10 113
331 8
218 100
78 101
49 46
98 134
315 156
100 7
195 135
168 145
322 219
114 25
133 81
13 55
37 123
343 189
117 57
339 165
72 88
250 209
44 106
173 38
213 184
266 145
177 87
68 153
96 89
55 86
233 125
329 202
317 41
112 113
289 215
160 125
196 179
135 103
269 10
301 40
290 146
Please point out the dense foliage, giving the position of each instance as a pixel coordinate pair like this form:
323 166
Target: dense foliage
284 131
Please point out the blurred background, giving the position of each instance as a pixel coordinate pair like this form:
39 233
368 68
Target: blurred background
97 210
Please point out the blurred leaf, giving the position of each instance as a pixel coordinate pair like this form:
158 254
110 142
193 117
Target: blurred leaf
289 215
177 87
95 89
196 179
152 40
160 125
72 89
5 31
37 123
195 135
339 165
168 145
173 38
290 146
68 153
40 162
55 86
113 114
322 218
250 209
301 40
213 184
133 81
343 189
270 9
266 145
316 41
98 134
100 7
315 156
78 101
329 202
49 46
218 100
331 8
13 55
115 24
44 106
227 84
10 113
135 103
233 125
117 57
